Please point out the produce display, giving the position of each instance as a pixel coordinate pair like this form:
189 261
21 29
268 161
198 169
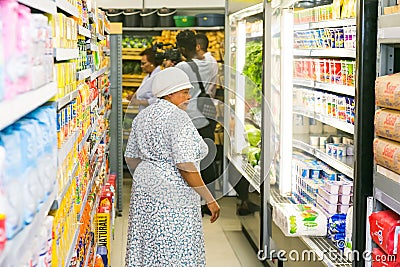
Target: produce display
253 69
136 42
252 152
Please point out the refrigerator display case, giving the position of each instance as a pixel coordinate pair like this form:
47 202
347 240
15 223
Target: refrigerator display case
310 86
243 106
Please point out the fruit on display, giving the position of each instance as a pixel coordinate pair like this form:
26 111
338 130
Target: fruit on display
136 42
131 67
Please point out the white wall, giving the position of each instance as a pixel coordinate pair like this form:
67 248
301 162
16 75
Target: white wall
138 4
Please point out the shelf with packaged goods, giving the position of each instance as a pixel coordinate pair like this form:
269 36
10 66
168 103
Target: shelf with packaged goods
332 52
389 28
98 73
85 138
387 188
97 145
146 29
325 24
92 47
60 197
67 147
336 123
46 6
100 37
246 170
61 102
87 254
72 248
22 104
83 74
344 164
22 241
321 245
62 54
334 88
67 7
84 32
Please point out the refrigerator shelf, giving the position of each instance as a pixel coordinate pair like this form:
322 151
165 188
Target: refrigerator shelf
386 189
246 170
345 164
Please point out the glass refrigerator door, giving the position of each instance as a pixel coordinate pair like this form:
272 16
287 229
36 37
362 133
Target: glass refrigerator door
244 92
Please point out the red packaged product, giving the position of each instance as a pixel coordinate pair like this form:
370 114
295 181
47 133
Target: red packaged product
381 259
383 225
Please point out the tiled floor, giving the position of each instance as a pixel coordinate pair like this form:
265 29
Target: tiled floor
226 246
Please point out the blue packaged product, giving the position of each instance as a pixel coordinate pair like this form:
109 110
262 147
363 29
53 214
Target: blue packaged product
337 223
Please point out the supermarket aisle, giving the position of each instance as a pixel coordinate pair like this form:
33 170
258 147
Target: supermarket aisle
226 246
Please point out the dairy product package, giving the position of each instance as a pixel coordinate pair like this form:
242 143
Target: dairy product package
387 123
384 230
387 154
387 91
299 220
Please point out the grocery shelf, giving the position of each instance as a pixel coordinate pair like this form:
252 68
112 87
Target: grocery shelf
146 29
100 37
386 190
300 141
341 125
97 145
333 52
22 241
83 74
92 47
71 248
345 164
246 170
389 21
321 245
333 23
22 104
46 6
84 139
66 99
85 198
98 73
131 84
88 253
67 7
94 104
60 197
254 35
336 88
67 147
84 32
301 27
388 28
323 248
303 82
62 54
307 113
129 57
301 52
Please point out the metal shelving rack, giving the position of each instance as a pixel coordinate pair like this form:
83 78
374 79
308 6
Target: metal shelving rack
116 119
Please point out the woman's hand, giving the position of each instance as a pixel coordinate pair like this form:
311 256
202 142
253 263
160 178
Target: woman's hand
214 208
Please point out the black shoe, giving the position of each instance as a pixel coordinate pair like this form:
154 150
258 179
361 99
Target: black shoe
205 210
243 211
253 207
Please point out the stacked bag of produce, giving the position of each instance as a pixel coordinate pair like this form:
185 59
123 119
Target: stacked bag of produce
387 122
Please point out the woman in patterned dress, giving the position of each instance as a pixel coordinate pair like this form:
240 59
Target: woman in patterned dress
163 153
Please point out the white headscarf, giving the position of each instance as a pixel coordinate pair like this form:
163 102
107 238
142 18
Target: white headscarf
169 81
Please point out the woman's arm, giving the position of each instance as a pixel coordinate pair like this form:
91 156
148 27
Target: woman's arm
193 178
132 163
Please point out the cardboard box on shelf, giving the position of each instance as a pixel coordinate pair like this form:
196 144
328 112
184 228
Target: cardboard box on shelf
387 154
387 123
387 91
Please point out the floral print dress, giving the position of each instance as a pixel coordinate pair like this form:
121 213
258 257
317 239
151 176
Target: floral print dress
165 225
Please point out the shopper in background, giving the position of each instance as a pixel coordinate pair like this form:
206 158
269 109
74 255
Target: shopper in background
186 43
163 153
150 65
201 50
